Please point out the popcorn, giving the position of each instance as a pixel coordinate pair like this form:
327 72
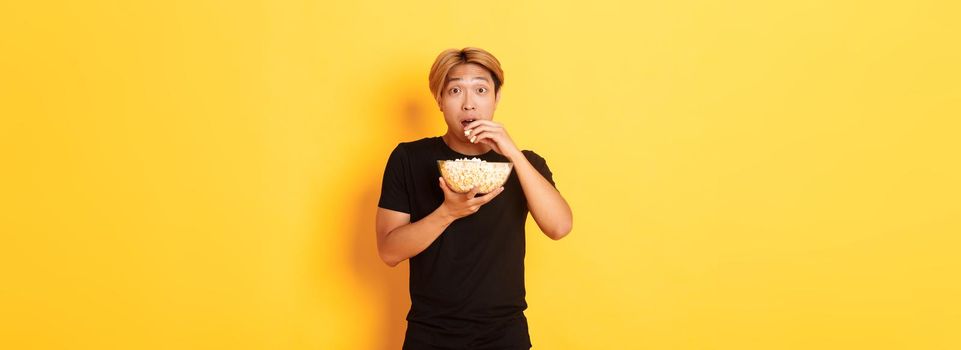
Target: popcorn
463 174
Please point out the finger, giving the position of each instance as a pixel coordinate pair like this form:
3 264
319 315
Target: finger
492 135
473 134
480 122
490 196
472 193
476 126
478 130
443 186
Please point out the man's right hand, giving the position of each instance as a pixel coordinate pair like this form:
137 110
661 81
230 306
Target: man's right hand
459 205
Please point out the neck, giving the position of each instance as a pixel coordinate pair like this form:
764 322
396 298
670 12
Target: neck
464 147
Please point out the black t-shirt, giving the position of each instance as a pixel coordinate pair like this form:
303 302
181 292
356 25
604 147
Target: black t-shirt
468 285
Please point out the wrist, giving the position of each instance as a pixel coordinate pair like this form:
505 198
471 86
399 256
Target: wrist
444 215
515 156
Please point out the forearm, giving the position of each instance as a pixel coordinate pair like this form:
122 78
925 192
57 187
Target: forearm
547 206
409 240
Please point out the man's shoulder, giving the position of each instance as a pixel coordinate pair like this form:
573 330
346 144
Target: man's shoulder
532 156
427 142
410 150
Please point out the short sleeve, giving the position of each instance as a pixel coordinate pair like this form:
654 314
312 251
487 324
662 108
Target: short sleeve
394 194
540 164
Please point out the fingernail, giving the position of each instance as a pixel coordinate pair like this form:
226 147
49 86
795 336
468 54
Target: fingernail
466 132
472 139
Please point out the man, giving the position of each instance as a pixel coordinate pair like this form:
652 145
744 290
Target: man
466 251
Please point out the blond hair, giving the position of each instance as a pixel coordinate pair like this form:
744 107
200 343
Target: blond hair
453 57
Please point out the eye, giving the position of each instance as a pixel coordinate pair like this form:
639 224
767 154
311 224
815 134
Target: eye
482 90
454 90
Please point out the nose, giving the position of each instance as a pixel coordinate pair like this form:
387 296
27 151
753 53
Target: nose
469 104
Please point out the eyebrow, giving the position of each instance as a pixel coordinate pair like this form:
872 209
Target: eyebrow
475 78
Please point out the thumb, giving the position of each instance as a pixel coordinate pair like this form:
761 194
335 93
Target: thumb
473 192
443 185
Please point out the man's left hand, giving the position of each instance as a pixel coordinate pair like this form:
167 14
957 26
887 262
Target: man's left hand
494 135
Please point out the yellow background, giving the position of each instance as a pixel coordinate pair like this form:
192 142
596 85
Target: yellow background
744 175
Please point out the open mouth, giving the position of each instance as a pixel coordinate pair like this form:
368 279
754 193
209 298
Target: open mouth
466 122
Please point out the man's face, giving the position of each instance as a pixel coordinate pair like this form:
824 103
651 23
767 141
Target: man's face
467 96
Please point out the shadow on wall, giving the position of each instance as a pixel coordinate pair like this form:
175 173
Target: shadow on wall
406 117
